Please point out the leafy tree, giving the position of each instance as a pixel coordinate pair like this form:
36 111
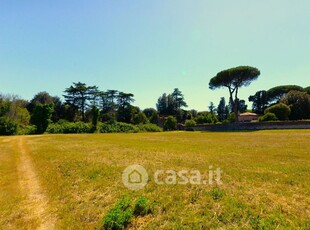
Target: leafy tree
43 98
14 108
307 89
212 108
152 115
242 107
125 110
162 104
41 117
140 118
178 99
192 114
206 118
299 103
170 124
95 118
222 110
59 110
281 111
8 126
149 112
112 95
94 95
78 95
125 99
171 104
275 93
233 79
260 101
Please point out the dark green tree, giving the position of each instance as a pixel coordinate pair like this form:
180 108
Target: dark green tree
78 95
41 117
43 98
242 107
8 126
212 108
125 110
140 118
162 105
94 95
222 110
276 93
234 79
299 103
259 101
95 118
178 99
170 124
152 115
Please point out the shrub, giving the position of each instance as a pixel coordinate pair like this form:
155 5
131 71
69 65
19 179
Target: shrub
28 130
200 119
122 213
41 117
69 127
231 118
170 124
217 193
149 128
206 118
119 216
140 118
118 127
281 111
8 126
268 117
142 207
189 124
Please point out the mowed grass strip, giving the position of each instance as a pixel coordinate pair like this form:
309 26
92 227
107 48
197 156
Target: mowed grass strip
265 178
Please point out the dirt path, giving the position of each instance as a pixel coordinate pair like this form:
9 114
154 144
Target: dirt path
36 202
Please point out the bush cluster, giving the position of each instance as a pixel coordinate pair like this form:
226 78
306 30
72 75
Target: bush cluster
190 124
116 127
8 126
268 117
69 127
282 111
119 216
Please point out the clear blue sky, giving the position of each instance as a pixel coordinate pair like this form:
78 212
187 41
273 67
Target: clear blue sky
148 47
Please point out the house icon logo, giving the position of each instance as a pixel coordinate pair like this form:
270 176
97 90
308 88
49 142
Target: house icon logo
135 177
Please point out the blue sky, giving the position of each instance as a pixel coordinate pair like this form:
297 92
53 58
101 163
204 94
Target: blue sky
151 47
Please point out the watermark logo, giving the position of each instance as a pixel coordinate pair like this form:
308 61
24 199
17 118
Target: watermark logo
135 177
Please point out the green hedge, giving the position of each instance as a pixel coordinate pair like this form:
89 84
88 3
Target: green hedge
149 128
117 127
69 127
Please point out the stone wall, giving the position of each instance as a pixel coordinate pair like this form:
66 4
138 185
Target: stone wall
253 126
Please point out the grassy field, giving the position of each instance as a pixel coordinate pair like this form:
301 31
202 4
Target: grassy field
265 179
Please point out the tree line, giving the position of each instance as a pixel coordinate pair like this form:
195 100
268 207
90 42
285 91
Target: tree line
89 105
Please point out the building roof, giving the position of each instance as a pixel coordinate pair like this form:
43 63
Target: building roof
248 114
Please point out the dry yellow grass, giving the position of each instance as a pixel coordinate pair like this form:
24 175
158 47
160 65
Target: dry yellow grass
265 178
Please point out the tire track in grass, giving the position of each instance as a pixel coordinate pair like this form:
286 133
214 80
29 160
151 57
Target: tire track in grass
36 202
